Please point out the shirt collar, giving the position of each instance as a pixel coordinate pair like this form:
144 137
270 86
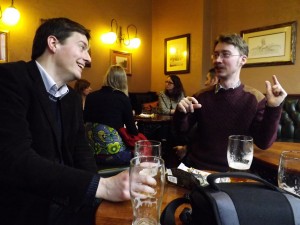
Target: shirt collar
219 87
50 84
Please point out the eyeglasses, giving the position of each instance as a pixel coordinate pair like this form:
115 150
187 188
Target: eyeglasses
169 82
222 55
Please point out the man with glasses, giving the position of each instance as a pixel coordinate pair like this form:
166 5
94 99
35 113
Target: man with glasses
228 108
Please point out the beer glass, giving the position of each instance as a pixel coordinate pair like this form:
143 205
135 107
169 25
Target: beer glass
147 148
147 198
289 171
239 154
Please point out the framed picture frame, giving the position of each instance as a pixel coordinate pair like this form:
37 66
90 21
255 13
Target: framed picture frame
3 47
271 45
123 59
177 54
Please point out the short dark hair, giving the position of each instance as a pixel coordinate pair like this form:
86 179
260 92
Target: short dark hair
81 85
212 73
233 39
61 28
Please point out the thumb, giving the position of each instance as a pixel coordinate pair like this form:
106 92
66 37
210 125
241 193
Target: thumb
268 87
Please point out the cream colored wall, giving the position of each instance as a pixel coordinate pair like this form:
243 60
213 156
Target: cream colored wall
172 18
95 15
236 15
157 20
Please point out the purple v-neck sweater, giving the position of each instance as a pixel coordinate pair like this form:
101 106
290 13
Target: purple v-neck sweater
236 111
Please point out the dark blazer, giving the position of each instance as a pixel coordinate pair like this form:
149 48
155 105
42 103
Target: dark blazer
30 175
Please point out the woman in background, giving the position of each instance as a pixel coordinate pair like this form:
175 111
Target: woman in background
106 111
83 88
169 98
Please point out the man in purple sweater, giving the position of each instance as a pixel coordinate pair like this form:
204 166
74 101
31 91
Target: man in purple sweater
228 108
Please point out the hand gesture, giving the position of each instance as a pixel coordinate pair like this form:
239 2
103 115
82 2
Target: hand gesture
188 104
275 94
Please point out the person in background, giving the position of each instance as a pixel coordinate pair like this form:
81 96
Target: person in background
228 108
83 88
106 111
169 98
211 78
47 170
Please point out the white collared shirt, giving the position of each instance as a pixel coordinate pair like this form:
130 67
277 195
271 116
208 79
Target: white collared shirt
219 87
50 84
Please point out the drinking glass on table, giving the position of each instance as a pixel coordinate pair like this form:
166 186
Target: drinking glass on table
289 171
239 154
146 199
147 148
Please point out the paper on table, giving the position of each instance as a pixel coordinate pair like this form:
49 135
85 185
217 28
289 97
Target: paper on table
204 175
144 115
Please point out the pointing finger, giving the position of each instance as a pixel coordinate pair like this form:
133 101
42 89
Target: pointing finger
275 79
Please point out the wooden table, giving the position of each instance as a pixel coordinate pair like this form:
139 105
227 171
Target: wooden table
159 128
265 162
120 213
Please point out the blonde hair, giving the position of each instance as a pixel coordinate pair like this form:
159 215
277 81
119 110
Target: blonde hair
116 79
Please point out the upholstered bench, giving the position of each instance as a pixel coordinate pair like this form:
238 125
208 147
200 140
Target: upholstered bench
138 99
289 127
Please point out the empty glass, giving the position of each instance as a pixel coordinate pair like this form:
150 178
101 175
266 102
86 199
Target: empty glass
146 204
147 148
239 154
289 171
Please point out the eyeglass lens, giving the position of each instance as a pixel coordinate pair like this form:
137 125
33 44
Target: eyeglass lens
222 55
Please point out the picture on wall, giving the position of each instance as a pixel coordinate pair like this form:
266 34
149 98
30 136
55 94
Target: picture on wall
123 59
177 54
271 45
3 47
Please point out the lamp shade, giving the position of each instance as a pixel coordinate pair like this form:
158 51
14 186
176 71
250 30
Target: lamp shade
11 16
109 38
134 43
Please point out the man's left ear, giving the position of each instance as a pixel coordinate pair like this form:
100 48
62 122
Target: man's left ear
244 60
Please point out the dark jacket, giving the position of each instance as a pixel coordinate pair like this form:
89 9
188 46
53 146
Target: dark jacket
30 174
110 107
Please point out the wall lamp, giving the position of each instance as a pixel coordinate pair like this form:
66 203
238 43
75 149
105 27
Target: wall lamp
11 15
116 35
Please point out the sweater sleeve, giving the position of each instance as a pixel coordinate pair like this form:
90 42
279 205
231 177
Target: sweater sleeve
265 125
164 106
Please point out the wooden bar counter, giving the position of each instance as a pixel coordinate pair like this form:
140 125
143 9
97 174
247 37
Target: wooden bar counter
265 162
120 213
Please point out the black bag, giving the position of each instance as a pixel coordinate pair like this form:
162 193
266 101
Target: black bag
247 203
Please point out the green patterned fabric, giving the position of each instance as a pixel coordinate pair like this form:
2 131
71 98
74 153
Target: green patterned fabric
107 145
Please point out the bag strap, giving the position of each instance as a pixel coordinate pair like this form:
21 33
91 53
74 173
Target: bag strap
211 179
168 215
294 203
224 209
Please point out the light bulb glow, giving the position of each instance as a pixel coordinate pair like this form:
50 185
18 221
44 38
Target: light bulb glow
173 51
11 16
109 38
134 43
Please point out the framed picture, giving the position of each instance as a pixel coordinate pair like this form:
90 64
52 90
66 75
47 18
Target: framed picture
123 59
271 45
3 47
177 54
